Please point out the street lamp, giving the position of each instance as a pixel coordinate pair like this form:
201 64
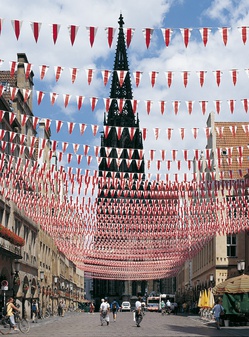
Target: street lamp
241 266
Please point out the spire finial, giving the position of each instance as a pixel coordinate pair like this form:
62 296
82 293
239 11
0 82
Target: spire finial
121 21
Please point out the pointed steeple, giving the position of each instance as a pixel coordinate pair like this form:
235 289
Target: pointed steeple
120 121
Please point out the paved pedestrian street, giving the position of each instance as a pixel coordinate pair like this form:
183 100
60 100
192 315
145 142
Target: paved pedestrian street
153 325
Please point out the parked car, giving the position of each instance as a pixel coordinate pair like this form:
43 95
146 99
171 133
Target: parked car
126 306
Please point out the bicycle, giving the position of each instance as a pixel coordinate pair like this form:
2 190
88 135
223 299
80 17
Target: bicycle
22 324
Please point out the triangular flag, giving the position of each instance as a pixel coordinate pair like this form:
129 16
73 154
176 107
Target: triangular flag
147 35
58 70
55 31
167 35
73 30
66 98
106 75
205 34
128 34
89 74
224 34
92 33
121 76
80 100
186 32
17 24
73 72
43 70
169 77
110 34
244 32
153 76
36 26
137 75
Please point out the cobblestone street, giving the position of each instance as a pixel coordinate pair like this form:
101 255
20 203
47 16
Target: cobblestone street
153 325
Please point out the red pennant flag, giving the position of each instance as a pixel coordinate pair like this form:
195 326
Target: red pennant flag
224 34
137 75
185 75
245 104
220 131
110 34
40 96
2 88
2 112
134 104
23 120
121 103
203 105
163 154
233 129
169 77
205 34
217 104
186 32
167 35
195 132
128 34
190 106
58 125
1 25
243 31
47 124
176 105
89 74
106 130
218 74
94 101
182 132
27 68
207 132
55 31
156 132
144 133
231 103
66 98
82 128
26 93
119 131
13 92
73 30
13 67
246 129
58 70
73 72
105 74
153 76
121 76
174 154
234 74
43 70
35 122
17 27
36 26
107 102
70 126
86 149
80 100
148 104
201 75
169 132
162 105
94 129
131 132
147 35
92 33
53 97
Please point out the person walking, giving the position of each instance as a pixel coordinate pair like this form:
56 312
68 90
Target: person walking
138 312
114 309
104 312
10 312
92 308
218 310
34 309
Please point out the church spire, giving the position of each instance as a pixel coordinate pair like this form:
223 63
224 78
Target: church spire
120 119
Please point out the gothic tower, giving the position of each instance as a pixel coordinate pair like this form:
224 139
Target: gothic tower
121 155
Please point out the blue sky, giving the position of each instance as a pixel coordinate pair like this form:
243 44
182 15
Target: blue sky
155 14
